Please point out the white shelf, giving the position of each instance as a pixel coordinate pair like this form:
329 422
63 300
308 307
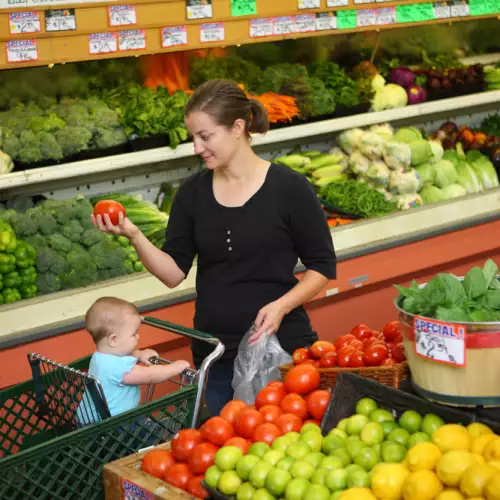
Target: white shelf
130 161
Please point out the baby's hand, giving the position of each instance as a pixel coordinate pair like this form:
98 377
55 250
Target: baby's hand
145 355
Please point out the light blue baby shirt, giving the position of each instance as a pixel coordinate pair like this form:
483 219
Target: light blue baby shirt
109 370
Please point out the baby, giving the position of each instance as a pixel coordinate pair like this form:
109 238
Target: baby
114 326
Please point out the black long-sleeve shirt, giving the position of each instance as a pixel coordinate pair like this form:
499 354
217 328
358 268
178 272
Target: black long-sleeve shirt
247 255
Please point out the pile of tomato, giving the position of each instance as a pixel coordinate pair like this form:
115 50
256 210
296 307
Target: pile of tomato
359 348
279 408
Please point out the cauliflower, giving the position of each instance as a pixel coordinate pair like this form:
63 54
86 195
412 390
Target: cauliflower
391 96
405 181
349 140
371 145
397 155
6 163
358 163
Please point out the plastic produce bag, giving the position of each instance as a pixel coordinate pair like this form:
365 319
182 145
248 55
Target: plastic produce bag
256 365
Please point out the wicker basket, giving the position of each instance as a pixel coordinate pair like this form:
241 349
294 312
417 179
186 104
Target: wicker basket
387 375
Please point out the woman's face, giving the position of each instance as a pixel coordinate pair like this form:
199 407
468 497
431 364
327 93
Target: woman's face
216 144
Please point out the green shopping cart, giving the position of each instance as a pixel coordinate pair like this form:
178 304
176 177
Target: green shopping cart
44 455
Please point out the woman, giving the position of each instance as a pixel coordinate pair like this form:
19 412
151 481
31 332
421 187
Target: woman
248 221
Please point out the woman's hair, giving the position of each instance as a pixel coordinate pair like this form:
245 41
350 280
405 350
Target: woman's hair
225 102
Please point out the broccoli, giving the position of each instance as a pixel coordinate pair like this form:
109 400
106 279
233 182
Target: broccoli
59 242
109 137
49 147
48 283
74 112
47 223
47 123
11 145
73 230
118 271
105 117
92 236
30 154
104 274
46 258
62 210
45 101
108 254
76 247
82 208
8 216
24 225
28 139
37 241
73 139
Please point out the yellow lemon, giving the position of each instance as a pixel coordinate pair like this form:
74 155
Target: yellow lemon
492 488
357 494
452 465
476 429
479 443
423 456
422 485
387 481
450 494
478 459
475 478
492 450
452 437
495 463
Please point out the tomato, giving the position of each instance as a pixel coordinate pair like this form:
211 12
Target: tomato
356 360
246 422
361 332
344 356
375 354
344 340
317 403
378 335
241 443
231 410
266 433
391 330
157 462
183 443
269 396
293 403
321 347
398 339
311 362
300 355
356 344
289 422
302 379
270 413
216 430
372 341
110 207
202 457
195 487
179 475
398 353
276 383
329 360
388 362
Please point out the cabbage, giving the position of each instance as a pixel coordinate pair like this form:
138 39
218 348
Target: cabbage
371 145
405 181
454 191
349 139
358 163
486 172
397 155
408 134
432 194
378 173
437 150
390 97
468 178
453 156
421 152
446 173
407 201
427 173
383 129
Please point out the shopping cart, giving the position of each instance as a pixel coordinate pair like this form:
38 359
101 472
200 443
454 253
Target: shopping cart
43 453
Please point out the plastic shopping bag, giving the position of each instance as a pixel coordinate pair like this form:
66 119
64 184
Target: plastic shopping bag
256 365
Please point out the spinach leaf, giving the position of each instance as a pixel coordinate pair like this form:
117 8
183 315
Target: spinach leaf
481 315
475 283
492 299
490 271
451 314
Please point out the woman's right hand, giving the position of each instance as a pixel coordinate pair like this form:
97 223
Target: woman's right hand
124 227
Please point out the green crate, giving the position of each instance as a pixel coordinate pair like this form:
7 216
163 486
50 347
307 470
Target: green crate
37 465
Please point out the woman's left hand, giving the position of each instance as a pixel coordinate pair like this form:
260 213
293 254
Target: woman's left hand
268 321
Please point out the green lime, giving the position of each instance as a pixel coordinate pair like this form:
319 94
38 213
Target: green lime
298 450
316 492
273 456
296 488
332 463
245 492
336 480
343 454
431 423
332 442
310 427
313 439
258 449
352 468
277 480
358 479
411 421
319 476
258 474
393 452
388 427
245 465
338 432
212 476
336 495
365 406
355 424
354 446
229 482
263 494
285 463
301 468
343 424
372 433
381 415
418 437
368 458
399 436
281 443
227 457
315 458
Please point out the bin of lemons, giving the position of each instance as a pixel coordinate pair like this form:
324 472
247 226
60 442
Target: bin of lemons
475 478
357 494
492 450
422 485
387 481
452 465
492 488
452 437
423 456
477 429
450 494
479 443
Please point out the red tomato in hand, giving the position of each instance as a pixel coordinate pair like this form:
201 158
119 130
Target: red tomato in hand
343 341
375 354
231 410
241 443
179 475
361 332
398 353
157 462
202 457
356 360
320 348
329 360
183 443
195 487
110 207
246 422
293 403
300 355
270 413
388 362
216 430
266 433
317 403
391 330
289 422
302 379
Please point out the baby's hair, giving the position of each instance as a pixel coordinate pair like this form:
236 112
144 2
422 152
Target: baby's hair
105 315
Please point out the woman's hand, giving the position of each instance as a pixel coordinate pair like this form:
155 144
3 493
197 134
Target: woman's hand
123 228
268 320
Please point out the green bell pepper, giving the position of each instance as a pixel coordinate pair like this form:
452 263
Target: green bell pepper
28 276
28 291
11 295
8 241
25 255
12 280
7 263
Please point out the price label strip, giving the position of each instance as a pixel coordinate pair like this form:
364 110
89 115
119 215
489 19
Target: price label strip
261 27
122 15
212 32
19 51
102 43
442 10
24 22
416 13
460 8
346 19
309 4
173 36
386 15
357 2
439 341
366 17
326 21
284 25
305 23
243 7
484 7
199 9
337 3
60 20
132 40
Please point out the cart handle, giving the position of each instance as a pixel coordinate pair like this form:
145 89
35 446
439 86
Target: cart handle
205 365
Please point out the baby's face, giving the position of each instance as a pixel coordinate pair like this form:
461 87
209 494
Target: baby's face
127 337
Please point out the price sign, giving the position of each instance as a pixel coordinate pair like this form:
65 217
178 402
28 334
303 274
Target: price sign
103 43
212 32
60 20
199 9
122 15
173 36
366 17
261 27
460 8
243 7
415 13
357 2
386 15
484 7
383 1
442 10
309 4
132 40
21 50
24 22
346 19
305 23
439 341
326 21
284 25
